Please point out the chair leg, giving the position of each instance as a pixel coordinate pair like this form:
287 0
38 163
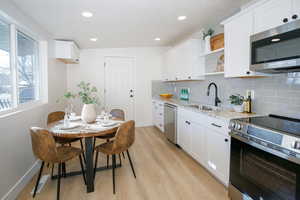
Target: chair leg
52 171
38 179
94 142
81 144
82 169
131 165
123 155
107 161
120 160
63 170
96 163
58 180
113 172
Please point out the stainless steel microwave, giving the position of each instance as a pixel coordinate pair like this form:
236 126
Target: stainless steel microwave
276 50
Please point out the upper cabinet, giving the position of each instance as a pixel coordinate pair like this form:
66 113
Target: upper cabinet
183 62
271 14
237 45
259 17
67 52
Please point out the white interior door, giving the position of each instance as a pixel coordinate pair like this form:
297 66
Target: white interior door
119 85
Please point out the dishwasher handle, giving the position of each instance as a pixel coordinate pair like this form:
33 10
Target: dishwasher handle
170 105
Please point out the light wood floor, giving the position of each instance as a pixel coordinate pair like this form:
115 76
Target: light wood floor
163 172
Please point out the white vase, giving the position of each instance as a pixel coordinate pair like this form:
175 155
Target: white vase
88 113
238 108
207 44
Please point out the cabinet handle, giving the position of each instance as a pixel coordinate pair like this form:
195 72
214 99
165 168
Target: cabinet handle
285 20
188 122
189 77
248 72
213 124
226 140
295 16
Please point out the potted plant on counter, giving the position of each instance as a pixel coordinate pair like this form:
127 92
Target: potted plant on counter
237 102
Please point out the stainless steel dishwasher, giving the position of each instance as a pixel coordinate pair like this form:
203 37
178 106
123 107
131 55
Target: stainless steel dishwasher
170 122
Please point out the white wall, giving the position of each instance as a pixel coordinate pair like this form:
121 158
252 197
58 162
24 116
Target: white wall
148 67
15 143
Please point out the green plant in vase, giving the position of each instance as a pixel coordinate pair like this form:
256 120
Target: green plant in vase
89 97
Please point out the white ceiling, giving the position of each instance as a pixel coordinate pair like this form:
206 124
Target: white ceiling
126 23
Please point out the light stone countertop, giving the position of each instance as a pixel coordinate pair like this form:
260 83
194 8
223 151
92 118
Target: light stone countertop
223 114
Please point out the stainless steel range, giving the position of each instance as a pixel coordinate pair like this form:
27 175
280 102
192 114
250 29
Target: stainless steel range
265 158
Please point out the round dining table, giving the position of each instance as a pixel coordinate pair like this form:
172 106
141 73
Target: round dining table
80 129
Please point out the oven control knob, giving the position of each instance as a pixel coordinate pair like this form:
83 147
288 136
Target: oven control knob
296 145
238 127
232 125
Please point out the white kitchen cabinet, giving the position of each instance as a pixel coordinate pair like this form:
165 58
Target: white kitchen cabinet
237 45
170 65
183 132
218 154
198 142
158 114
205 139
182 62
67 52
271 14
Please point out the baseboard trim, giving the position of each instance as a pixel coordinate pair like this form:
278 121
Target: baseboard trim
13 193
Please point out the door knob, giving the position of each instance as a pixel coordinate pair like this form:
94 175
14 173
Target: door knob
295 16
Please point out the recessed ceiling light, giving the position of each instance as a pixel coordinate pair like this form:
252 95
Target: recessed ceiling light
93 39
275 40
87 14
181 18
157 39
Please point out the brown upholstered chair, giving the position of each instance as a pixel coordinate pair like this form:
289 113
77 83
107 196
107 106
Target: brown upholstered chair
116 114
45 149
124 138
55 117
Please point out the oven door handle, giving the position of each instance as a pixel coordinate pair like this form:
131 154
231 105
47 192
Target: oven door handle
265 148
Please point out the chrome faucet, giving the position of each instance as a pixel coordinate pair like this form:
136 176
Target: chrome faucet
217 100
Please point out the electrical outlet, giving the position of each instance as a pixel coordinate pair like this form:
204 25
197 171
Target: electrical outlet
252 94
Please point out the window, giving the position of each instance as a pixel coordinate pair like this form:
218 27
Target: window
27 60
19 67
5 69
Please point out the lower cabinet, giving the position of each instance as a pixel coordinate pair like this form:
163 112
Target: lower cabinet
198 143
206 140
183 133
158 114
218 154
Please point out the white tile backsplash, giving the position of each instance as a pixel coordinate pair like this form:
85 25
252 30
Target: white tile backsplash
278 94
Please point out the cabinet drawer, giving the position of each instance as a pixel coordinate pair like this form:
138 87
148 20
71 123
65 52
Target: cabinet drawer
193 116
218 125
